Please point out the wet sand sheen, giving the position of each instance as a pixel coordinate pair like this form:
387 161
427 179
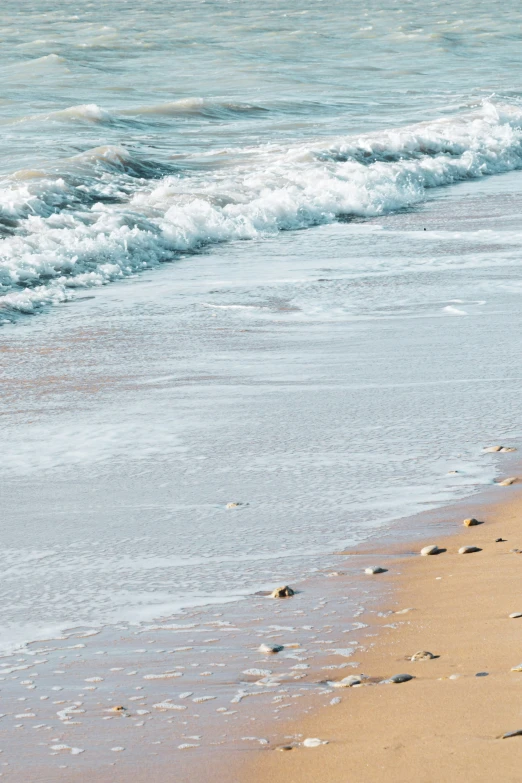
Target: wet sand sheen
166 723
447 723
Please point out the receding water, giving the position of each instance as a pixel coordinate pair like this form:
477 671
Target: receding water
328 378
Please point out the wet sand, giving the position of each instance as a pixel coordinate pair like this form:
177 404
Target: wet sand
447 723
185 683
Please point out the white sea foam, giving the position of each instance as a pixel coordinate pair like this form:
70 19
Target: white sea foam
99 221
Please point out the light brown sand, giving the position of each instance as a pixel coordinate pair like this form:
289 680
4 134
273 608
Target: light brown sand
432 729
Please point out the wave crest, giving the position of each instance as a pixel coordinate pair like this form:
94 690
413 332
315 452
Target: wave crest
76 231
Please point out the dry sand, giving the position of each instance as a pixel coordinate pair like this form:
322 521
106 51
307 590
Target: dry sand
432 729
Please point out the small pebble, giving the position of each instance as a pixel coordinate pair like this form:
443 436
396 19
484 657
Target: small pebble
481 674
285 747
517 733
467 550
422 655
314 742
471 522
270 648
454 677
432 549
398 678
515 615
499 540
282 592
347 682
375 570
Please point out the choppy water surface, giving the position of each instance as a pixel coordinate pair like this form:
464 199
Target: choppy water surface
327 378
133 132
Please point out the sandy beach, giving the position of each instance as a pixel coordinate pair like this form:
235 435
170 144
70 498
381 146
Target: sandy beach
260 319
446 724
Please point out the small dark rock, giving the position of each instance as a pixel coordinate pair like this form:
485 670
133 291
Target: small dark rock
398 678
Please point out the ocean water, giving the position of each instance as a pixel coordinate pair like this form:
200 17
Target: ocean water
258 255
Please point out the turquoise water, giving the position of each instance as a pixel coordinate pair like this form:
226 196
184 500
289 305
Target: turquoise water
132 133
332 192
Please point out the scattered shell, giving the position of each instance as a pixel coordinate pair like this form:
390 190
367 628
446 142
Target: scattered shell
187 745
314 742
282 592
471 522
422 655
507 481
285 747
514 615
467 550
454 677
270 648
398 678
347 682
117 749
375 570
517 733
118 708
517 668
491 449
431 549
404 611
234 505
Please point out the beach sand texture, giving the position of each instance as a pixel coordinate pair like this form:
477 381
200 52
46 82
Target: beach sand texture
447 723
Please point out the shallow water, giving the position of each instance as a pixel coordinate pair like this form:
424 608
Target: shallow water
327 378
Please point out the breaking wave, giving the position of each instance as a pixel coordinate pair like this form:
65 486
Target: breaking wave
110 214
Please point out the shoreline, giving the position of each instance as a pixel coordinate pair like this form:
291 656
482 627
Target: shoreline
237 741
224 737
445 724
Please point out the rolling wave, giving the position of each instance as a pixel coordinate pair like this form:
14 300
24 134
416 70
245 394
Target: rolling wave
108 213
